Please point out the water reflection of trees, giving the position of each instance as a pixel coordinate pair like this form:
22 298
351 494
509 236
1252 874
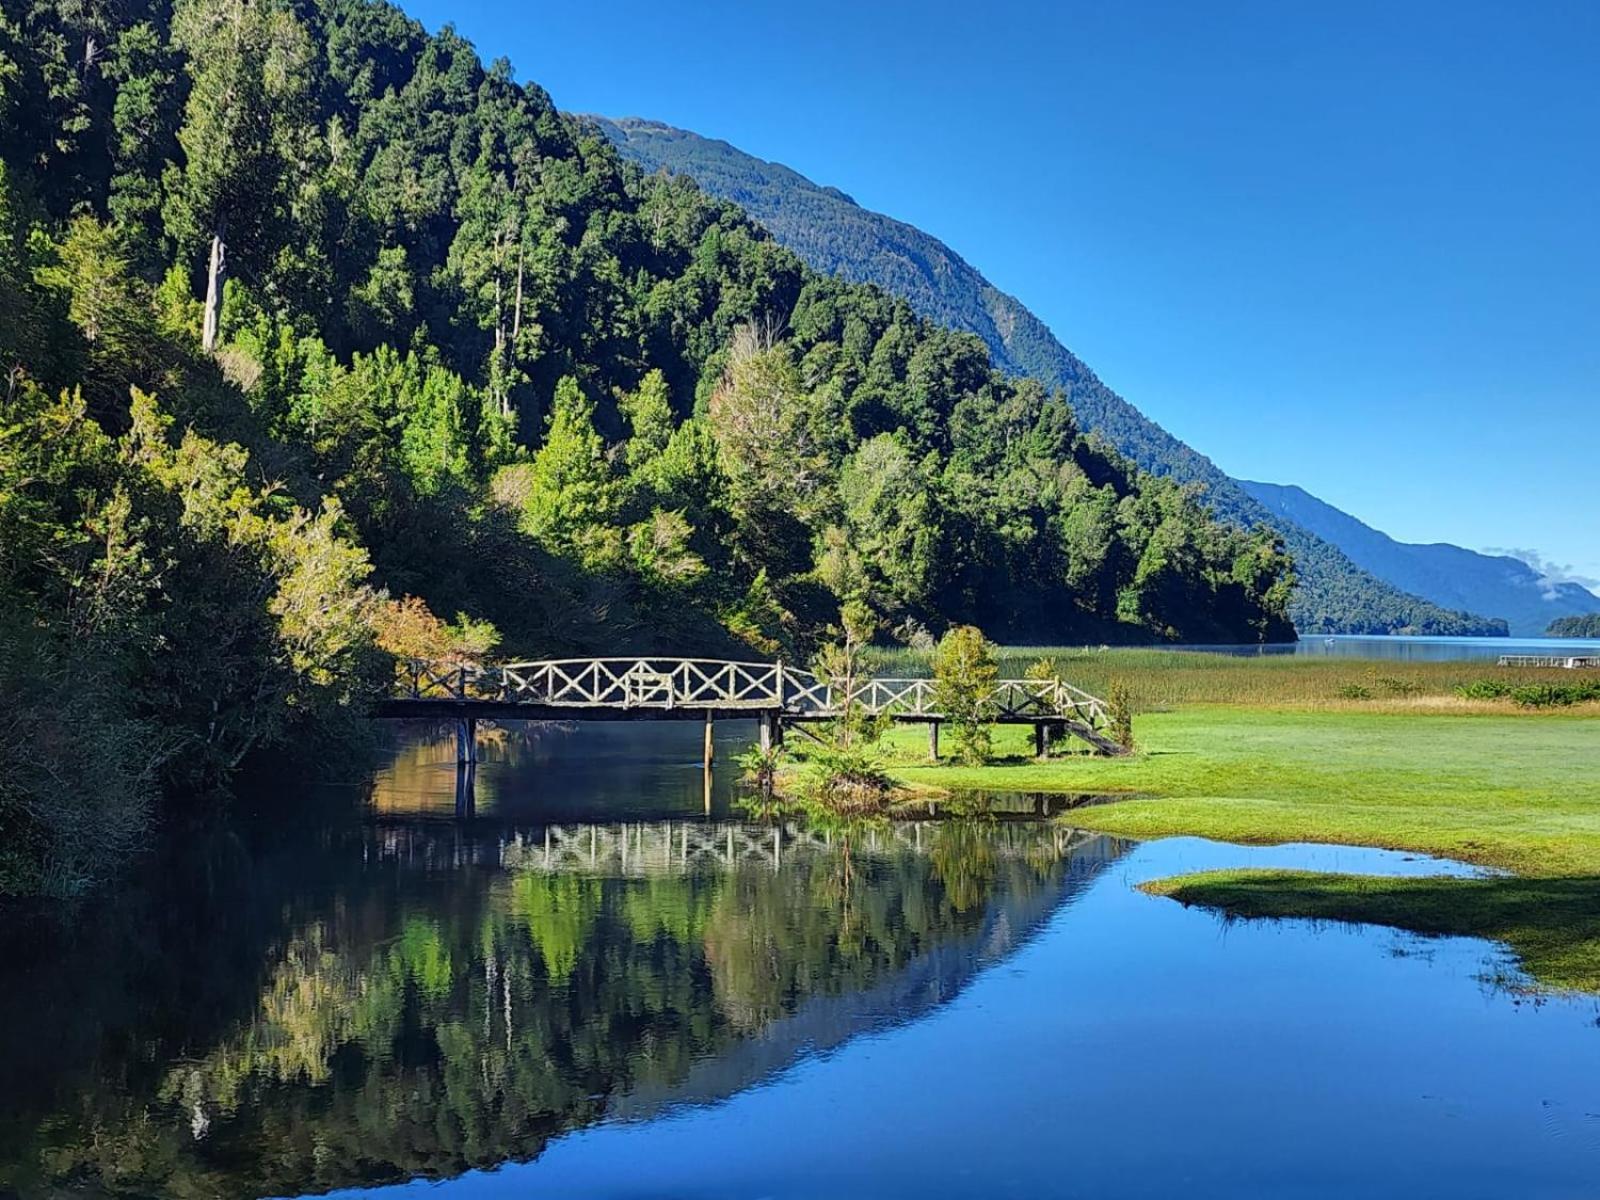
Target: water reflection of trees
420 1022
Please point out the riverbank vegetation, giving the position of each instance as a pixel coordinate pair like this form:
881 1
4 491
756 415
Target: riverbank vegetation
1543 694
310 314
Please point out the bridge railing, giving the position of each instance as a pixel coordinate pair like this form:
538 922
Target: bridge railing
1008 699
1566 661
611 683
713 683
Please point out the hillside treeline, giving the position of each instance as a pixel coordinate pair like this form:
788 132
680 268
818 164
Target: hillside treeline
326 343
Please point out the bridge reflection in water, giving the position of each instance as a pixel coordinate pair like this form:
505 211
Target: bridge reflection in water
414 998
641 849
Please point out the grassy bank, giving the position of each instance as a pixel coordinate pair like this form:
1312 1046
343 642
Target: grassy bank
1514 790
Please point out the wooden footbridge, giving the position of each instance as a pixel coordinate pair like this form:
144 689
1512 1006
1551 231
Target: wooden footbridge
1568 662
775 695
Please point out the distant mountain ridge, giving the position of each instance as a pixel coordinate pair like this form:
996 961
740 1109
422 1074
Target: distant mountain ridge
829 230
1446 574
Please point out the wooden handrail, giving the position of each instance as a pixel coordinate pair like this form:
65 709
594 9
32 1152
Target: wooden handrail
649 682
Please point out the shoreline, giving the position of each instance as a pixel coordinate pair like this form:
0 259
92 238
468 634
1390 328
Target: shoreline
1512 789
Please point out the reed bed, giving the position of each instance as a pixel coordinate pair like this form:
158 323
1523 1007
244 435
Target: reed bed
1161 679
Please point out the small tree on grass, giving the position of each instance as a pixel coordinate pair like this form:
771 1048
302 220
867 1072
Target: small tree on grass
1120 703
846 665
964 673
845 775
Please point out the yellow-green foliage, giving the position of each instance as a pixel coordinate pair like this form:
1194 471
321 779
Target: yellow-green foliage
964 671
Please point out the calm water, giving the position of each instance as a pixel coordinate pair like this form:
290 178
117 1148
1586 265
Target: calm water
609 982
1418 649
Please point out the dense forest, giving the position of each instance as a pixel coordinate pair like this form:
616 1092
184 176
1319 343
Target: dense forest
326 344
1585 626
832 233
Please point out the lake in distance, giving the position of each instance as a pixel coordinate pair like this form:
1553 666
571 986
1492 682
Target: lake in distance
1420 649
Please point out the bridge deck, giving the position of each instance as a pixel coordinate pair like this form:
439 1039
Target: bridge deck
440 708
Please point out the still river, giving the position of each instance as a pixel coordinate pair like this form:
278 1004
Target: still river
612 981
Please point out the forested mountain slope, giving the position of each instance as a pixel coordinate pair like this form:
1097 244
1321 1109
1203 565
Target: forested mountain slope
320 334
1449 575
1586 625
834 234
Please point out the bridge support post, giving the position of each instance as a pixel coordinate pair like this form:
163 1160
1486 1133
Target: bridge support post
466 795
710 753
466 741
933 741
1041 739
770 727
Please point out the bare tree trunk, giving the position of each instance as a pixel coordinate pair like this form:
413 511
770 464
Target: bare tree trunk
216 277
516 319
499 305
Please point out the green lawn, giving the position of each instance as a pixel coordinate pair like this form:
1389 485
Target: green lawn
1517 791
1521 792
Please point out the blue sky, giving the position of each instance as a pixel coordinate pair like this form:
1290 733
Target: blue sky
1353 247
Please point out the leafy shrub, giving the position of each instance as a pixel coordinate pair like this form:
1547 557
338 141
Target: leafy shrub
761 768
1042 670
408 630
80 777
846 780
1532 695
1355 691
1484 689
1556 695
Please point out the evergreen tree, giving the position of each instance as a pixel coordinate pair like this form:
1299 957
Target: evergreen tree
571 497
245 134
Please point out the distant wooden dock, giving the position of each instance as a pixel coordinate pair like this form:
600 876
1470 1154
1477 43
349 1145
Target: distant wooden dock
1565 661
